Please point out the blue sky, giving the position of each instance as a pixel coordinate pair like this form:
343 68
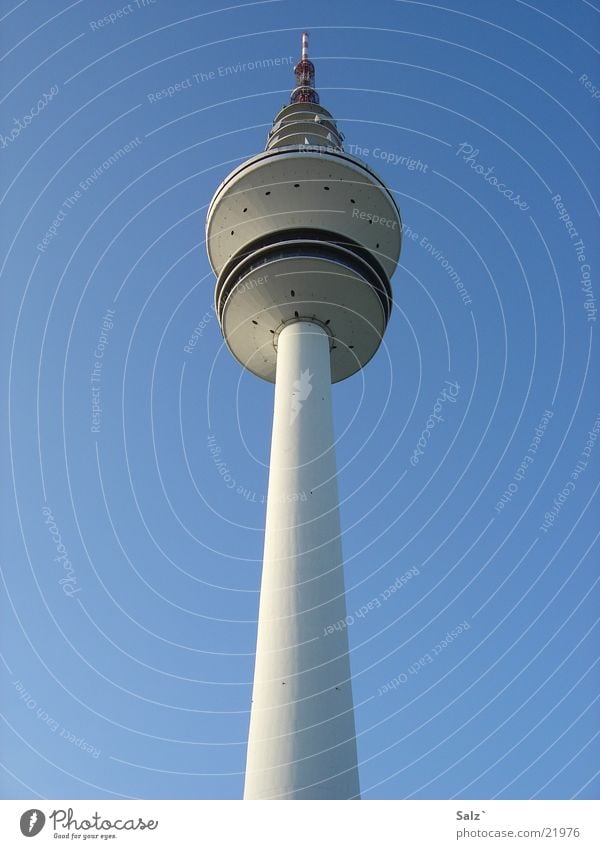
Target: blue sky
130 570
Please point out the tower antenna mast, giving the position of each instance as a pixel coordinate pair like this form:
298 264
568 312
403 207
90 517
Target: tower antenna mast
304 92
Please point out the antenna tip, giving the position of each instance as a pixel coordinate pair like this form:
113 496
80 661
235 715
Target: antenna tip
305 45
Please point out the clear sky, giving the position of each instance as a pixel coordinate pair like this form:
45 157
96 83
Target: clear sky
130 565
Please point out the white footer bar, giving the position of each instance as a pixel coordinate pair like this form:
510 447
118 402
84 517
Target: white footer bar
302 825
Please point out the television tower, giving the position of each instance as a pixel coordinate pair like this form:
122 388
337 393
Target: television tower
304 239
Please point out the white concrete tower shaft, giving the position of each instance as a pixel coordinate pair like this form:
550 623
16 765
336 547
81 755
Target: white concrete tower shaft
302 737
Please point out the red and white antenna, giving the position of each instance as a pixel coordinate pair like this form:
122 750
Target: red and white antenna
305 77
305 45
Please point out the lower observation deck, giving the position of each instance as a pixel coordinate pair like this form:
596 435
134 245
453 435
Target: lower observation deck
303 280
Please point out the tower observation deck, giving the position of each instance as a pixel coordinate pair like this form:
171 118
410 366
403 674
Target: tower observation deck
304 239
